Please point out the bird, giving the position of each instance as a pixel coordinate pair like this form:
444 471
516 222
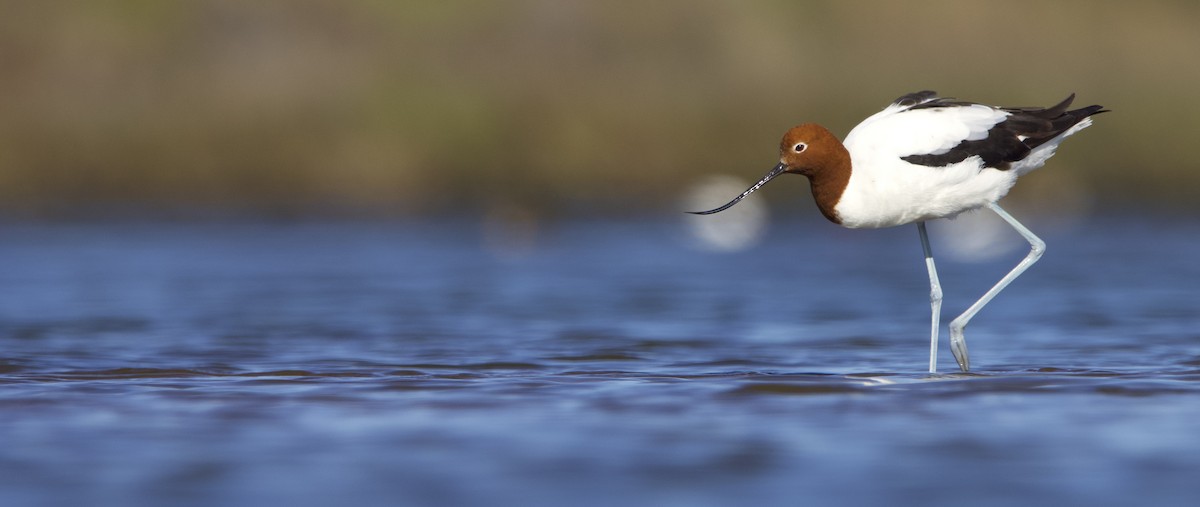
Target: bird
925 157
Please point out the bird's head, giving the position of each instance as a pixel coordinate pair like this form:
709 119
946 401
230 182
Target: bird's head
805 149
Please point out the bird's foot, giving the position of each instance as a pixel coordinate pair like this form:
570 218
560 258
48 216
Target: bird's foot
958 346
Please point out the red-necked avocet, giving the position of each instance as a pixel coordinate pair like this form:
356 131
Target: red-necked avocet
925 157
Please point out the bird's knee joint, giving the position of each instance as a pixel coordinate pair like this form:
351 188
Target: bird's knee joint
1037 248
935 295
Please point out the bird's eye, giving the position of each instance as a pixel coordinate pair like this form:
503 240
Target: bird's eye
799 147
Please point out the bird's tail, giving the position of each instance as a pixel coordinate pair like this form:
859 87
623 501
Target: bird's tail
1041 125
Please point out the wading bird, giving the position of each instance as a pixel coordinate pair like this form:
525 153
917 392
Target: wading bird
925 157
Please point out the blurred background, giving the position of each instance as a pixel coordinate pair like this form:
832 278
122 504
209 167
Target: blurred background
547 108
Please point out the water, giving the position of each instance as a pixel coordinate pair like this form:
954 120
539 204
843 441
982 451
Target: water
605 363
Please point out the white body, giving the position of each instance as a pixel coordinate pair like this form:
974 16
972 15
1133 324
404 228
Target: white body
885 190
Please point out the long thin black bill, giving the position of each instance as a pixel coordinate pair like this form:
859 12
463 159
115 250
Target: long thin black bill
776 171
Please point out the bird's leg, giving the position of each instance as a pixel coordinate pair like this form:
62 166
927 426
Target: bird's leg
935 298
958 344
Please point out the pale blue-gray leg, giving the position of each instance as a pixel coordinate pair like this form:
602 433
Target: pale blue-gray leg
958 344
935 298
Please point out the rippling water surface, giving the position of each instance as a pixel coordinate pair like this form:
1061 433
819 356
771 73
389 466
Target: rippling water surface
590 364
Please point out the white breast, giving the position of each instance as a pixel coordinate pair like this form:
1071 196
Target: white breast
884 192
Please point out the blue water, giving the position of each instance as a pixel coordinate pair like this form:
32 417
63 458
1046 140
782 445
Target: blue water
594 363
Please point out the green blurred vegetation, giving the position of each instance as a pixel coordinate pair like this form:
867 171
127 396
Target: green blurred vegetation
370 107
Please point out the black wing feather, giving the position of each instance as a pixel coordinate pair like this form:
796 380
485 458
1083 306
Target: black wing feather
1003 144
915 98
